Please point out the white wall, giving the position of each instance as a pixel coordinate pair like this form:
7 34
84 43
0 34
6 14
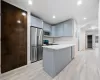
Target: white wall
28 37
81 40
99 24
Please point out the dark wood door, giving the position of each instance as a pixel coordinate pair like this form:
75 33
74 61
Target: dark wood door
89 41
13 37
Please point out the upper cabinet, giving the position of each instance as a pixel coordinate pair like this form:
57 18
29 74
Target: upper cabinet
59 30
65 29
68 28
36 22
53 31
46 27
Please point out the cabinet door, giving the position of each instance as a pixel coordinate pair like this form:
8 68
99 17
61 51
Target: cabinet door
53 33
36 22
46 27
59 30
68 28
13 38
39 23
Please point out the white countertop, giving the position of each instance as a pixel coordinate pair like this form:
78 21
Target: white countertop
59 46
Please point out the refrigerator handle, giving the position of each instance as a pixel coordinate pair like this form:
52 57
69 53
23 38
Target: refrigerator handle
40 37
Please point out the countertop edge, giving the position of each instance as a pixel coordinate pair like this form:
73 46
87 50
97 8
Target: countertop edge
59 48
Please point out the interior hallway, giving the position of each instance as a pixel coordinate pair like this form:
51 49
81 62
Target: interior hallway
85 66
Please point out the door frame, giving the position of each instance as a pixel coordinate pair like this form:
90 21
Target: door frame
87 41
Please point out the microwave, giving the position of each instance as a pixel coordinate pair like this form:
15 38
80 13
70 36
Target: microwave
46 33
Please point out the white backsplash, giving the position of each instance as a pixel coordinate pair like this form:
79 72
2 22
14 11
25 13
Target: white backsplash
61 40
65 40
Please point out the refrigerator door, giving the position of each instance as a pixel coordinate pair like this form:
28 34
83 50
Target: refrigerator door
33 36
39 37
34 54
40 53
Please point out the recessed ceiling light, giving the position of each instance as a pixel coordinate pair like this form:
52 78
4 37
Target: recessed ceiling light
23 13
54 17
93 28
79 2
85 18
30 2
18 21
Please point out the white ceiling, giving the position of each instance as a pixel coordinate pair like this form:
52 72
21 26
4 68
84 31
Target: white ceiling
92 24
62 9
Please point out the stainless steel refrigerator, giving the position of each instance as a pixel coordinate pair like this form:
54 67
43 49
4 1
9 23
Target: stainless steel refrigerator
36 44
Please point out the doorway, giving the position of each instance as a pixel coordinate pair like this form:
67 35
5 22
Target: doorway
89 41
13 37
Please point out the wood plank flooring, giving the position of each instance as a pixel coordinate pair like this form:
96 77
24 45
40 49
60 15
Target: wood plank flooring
85 66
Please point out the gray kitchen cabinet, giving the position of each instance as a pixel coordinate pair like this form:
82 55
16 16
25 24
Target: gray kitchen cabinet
68 28
65 29
60 30
46 27
36 22
55 60
53 31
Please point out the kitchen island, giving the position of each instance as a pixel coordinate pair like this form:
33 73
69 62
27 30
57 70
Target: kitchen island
57 57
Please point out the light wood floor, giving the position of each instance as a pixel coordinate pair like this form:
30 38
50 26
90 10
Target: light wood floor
85 66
